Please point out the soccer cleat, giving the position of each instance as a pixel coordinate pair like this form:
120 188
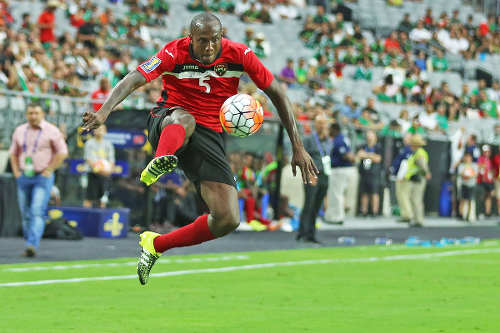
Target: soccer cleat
148 256
157 167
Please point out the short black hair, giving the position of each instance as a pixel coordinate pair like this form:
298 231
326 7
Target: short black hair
334 127
203 19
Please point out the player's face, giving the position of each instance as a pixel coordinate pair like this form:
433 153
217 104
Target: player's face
206 43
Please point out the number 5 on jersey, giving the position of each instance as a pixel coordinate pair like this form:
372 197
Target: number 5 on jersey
204 84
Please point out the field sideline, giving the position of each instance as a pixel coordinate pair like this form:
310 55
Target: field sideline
357 289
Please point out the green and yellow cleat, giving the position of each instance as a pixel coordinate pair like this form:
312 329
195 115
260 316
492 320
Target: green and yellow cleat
148 256
157 167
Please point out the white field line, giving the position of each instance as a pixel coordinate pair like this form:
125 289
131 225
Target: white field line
118 264
259 266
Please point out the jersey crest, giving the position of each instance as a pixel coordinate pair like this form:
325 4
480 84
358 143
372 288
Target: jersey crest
220 69
151 64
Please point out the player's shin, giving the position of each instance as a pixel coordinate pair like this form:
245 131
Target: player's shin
191 234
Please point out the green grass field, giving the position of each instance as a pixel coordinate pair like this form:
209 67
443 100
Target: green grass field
358 289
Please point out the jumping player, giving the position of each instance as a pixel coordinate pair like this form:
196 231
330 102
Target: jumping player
199 73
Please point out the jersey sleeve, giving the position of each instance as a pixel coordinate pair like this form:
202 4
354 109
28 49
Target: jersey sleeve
259 74
161 62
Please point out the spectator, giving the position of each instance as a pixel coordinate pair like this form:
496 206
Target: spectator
260 46
318 145
405 25
496 173
197 5
6 18
99 96
348 109
441 118
398 168
417 173
421 61
485 178
37 150
301 71
487 106
439 62
369 158
287 74
472 148
26 25
364 70
428 118
241 7
46 24
286 10
99 154
420 34
343 173
467 171
391 43
366 122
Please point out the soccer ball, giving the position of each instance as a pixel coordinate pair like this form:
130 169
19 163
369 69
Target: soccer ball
241 115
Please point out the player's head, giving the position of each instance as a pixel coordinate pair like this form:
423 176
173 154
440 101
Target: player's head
206 37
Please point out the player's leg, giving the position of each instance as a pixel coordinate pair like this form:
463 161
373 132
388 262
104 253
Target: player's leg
176 129
224 217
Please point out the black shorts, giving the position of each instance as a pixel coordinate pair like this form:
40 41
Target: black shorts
488 187
468 192
369 185
204 156
96 186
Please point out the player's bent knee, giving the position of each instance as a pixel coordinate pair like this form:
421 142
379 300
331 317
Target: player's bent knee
225 222
188 122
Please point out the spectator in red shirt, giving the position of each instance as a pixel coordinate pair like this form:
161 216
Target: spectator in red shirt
496 169
391 43
100 94
485 177
77 19
6 18
46 22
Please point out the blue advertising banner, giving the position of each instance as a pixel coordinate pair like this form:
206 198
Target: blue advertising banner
96 222
126 138
120 138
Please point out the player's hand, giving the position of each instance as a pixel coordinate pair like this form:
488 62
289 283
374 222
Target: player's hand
92 120
304 161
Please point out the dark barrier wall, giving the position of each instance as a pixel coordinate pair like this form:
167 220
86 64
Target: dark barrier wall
439 163
10 216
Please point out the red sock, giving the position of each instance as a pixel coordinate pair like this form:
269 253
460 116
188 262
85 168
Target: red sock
191 234
171 138
250 208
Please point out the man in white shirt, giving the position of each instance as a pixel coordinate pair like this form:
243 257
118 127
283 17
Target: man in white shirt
419 34
428 118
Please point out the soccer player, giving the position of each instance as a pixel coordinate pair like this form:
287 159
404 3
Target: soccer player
199 73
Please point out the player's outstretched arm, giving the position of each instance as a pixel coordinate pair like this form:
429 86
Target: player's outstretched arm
300 156
125 87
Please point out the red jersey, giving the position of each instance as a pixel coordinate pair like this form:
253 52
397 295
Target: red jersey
202 89
486 171
47 34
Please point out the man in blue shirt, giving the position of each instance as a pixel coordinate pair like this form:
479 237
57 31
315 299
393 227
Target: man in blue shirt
342 176
348 109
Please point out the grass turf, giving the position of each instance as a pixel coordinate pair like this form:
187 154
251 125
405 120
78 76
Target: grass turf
457 293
